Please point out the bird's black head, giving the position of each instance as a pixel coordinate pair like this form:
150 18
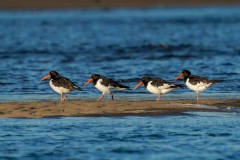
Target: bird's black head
145 79
54 74
95 76
186 73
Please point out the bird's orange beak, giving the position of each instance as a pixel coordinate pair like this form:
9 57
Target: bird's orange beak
90 80
139 84
46 77
179 76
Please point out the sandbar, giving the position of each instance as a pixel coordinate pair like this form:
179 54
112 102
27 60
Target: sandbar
84 108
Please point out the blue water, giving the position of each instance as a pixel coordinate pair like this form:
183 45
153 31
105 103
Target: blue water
123 44
191 136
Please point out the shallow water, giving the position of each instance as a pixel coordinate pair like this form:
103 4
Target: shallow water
190 136
123 44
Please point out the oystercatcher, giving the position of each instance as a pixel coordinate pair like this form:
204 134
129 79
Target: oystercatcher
61 84
158 86
196 83
106 85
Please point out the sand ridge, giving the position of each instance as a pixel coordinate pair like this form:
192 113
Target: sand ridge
78 108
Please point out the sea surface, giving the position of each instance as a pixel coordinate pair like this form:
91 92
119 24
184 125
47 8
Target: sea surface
122 44
195 136
125 45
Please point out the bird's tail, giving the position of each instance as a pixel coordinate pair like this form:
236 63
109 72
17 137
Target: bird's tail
122 86
216 81
128 88
78 88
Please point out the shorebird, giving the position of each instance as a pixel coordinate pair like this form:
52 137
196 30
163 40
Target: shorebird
196 83
106 85
157 86
61 84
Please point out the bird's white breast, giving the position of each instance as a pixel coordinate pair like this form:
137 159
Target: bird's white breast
159 89
101 87
107 89
197 87
59 90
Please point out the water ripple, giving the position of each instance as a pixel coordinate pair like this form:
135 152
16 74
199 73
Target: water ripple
214 134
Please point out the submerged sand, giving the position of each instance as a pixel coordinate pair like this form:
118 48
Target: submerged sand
72 108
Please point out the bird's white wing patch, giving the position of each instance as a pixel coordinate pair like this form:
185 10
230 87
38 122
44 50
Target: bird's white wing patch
164 86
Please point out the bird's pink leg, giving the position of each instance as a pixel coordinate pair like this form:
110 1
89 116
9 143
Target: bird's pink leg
159 96
198 95
100 97
65 97
61 98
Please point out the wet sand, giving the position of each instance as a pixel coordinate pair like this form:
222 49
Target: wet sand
79 108
56 4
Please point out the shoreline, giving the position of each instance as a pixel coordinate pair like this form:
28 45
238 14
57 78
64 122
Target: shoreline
75 4
83 108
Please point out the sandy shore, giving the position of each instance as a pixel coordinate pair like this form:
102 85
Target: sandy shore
49 4
110 108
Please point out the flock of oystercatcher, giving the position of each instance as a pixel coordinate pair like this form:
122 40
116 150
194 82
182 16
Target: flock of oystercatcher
106 85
